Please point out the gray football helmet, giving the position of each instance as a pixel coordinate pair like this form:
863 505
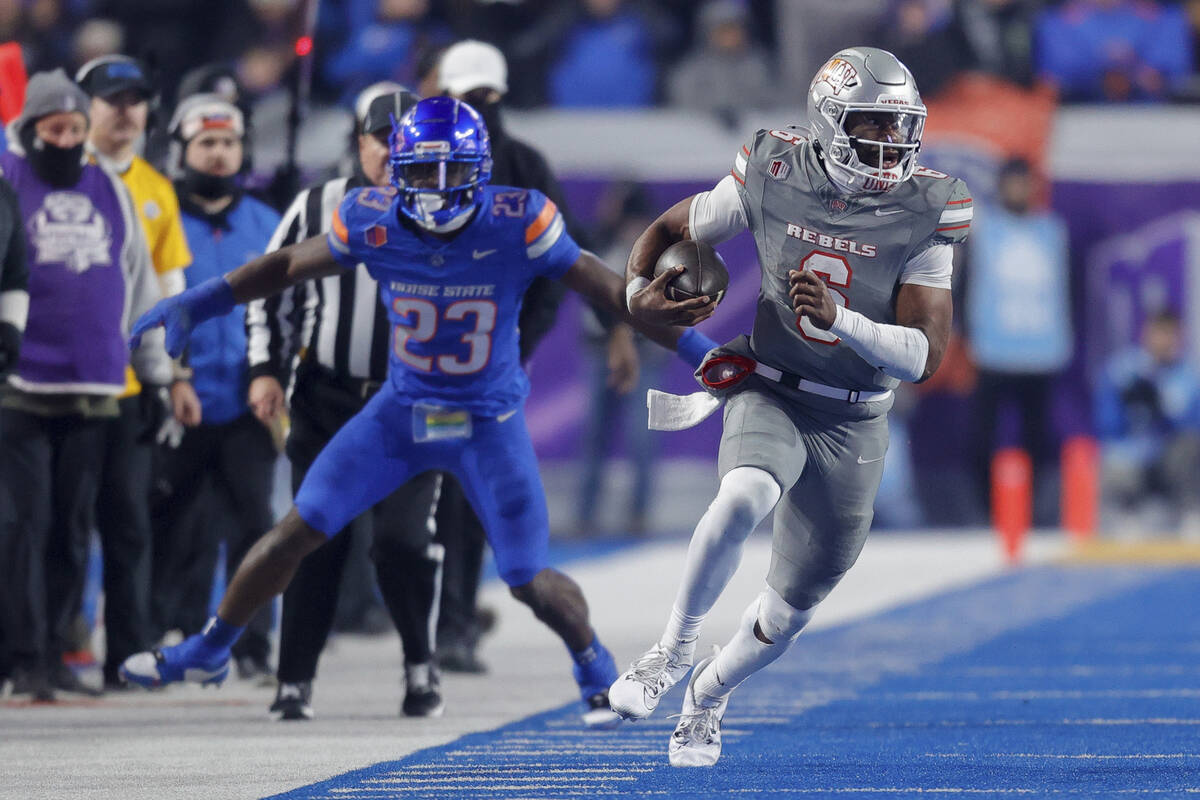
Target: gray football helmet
872 83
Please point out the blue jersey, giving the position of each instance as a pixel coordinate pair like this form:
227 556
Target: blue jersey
454 304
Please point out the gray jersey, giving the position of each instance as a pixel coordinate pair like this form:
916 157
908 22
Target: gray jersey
859 245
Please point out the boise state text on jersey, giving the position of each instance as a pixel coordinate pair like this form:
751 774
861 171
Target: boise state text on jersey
454 304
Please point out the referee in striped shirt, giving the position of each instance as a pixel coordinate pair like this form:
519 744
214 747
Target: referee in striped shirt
329 340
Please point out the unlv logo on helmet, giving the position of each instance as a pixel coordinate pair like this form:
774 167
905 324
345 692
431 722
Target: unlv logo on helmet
839 74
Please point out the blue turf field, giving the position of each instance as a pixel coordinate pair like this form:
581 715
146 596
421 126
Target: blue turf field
1044 682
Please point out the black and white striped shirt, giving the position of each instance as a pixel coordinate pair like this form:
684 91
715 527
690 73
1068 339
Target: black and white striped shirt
338 321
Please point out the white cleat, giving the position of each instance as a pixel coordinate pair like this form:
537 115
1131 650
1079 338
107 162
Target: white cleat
696 741
636 693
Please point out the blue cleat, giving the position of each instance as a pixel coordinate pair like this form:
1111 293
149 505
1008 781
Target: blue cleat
192 660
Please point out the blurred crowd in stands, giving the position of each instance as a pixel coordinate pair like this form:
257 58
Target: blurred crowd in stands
719 55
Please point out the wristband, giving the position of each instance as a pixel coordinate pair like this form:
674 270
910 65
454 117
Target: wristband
634 286
693 346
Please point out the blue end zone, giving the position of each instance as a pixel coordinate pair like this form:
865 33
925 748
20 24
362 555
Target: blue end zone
1044 682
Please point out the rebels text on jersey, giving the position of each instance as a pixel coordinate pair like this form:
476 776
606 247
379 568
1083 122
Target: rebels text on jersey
454 304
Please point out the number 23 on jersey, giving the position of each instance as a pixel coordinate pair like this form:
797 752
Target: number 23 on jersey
424 321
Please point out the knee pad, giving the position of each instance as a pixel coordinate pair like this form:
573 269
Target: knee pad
779 621
749 493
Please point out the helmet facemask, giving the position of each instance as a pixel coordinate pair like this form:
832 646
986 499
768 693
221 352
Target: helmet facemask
438 190
883 154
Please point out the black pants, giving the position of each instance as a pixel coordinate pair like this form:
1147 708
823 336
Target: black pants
462 535
49 472
215 486
123 521
1031 394
407 563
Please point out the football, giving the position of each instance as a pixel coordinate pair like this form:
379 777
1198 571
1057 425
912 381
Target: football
706 275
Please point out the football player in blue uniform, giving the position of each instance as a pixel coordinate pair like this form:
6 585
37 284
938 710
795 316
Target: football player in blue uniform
453 257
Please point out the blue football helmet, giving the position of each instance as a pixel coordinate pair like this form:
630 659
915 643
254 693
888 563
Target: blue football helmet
440 154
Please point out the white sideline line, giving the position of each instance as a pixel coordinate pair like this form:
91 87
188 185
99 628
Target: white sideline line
1082 756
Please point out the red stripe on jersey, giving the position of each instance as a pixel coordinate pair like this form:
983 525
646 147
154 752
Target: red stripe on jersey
744 150
736 178
955 227
958 202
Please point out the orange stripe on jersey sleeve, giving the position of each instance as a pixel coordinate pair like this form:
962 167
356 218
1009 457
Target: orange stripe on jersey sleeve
339 227
539 225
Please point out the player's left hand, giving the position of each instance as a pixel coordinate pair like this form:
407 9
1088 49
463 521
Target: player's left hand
811 298
650 304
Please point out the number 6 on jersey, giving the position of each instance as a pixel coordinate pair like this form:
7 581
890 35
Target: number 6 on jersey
835 271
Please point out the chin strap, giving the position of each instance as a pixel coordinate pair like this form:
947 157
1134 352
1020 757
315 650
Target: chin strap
452 224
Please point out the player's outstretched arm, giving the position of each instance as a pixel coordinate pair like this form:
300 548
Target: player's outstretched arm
262 277
592 279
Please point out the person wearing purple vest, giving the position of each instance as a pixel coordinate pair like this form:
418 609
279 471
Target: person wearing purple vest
89 276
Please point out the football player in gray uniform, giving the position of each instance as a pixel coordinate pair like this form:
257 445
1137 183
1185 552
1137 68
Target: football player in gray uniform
855 243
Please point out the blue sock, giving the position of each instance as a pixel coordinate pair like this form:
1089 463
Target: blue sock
595 669
219 635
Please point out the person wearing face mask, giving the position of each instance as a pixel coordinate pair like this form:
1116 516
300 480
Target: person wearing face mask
344 347
90 270
476 73
121 95
226 459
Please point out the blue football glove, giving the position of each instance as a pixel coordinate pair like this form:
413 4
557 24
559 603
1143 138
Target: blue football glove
183 312
693 346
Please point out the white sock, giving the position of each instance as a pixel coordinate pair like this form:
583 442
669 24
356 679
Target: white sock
744 655
746 496
681 634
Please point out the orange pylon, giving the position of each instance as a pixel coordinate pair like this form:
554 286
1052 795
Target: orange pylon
1080 486
1012 499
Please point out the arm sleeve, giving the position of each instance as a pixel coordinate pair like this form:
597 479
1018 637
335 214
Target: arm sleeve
895 350
548 246
717 215
150 361
14 267
933 267
270 332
